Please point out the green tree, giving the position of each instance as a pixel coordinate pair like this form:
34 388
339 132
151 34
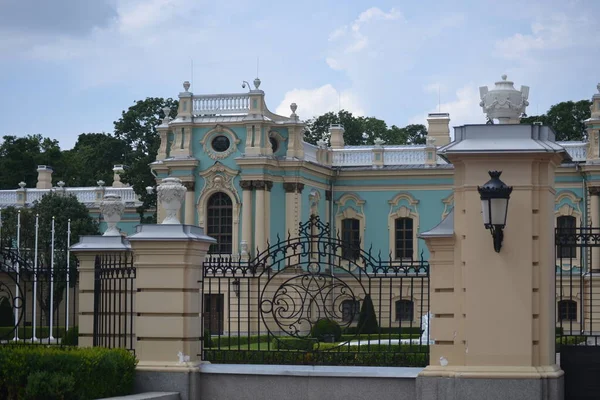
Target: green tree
567 118
137 128
62 209
363 130
92 159
367 319
19 158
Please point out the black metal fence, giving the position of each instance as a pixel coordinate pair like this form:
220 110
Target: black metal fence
578 309
114 293
38 301
302 301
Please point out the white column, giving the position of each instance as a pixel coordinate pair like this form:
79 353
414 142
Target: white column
190 206
247 214
595 217
259 215
268 187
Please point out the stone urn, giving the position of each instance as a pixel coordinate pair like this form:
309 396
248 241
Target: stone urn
170 195
112 208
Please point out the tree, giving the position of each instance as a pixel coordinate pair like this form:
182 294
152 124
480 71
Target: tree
92 159
62 209
367 319
363 130
567 118
137 128
19 158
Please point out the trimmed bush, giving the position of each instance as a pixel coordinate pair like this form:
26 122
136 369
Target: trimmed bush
241 341
367 320
568 341
71 337
96 372
293 343
207 339
347 338
26 332
326 327
50 386
412 330
7 316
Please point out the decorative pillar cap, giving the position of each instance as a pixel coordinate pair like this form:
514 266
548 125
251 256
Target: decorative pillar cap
504 102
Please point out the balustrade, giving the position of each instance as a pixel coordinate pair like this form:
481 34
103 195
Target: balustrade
221 104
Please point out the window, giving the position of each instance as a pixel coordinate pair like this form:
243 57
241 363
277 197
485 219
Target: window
350 239
350 310
566 225
220 143
567 310
404 238
404 310
274 144
219 223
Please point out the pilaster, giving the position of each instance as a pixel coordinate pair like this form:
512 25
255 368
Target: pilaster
247 237
190 203
293 206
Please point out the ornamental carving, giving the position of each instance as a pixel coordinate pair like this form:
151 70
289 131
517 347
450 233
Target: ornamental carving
293 187
112 208
246 185
216 131
170 195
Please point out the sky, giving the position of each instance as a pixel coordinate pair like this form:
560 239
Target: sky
72 66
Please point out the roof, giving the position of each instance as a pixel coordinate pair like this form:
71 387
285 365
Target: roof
444 229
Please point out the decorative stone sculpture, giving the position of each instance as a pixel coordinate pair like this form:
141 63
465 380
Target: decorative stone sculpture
256 83
186 86
425 326
504 102
112 208
170 195
244 250
379 142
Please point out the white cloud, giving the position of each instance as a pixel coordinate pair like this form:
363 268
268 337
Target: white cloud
464 109
315 102
556 32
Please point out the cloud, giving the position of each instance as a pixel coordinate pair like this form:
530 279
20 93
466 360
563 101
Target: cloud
315 102
555 32
464 109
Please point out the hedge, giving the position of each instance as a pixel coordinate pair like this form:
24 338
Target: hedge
230 341
416 330
84 373
568 341
293 343
26 332
365 336
341 357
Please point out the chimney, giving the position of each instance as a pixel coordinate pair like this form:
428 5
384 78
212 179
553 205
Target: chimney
118 170
44 180
336 136
438 128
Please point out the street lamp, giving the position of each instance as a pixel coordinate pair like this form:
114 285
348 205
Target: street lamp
494 205
235 285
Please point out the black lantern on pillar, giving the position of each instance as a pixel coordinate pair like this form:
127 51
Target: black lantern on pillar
235 285
494 204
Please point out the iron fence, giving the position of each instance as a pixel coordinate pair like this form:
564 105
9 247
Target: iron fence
306 300
38 285
114 293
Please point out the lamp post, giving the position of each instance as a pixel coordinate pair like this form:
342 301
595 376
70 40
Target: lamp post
494 205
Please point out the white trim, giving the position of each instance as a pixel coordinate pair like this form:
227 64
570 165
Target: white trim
403 212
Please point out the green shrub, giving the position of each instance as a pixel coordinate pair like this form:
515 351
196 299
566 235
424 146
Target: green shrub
347 338
325 327
71 337
45 385
568 341
26 332
413 330
97 372
207 339
241 341
367 320
558 331
293 343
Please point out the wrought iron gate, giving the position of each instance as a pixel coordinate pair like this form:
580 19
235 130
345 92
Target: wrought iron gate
314 299
114 280
578 309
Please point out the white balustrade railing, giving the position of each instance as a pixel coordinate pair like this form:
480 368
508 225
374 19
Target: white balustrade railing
352 157
84 195
221 104
310 152
577 150
404 156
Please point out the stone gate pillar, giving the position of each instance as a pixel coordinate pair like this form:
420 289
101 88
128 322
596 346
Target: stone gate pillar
493 312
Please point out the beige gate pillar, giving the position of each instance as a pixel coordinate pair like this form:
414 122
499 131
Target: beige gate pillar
168 262
86 251
493 312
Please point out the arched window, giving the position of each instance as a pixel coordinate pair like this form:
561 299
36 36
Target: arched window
566 225
351 238
404 310
404 238
567 310
350 310
219 222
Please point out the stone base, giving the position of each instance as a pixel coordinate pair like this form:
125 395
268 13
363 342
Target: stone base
458 388
180 378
